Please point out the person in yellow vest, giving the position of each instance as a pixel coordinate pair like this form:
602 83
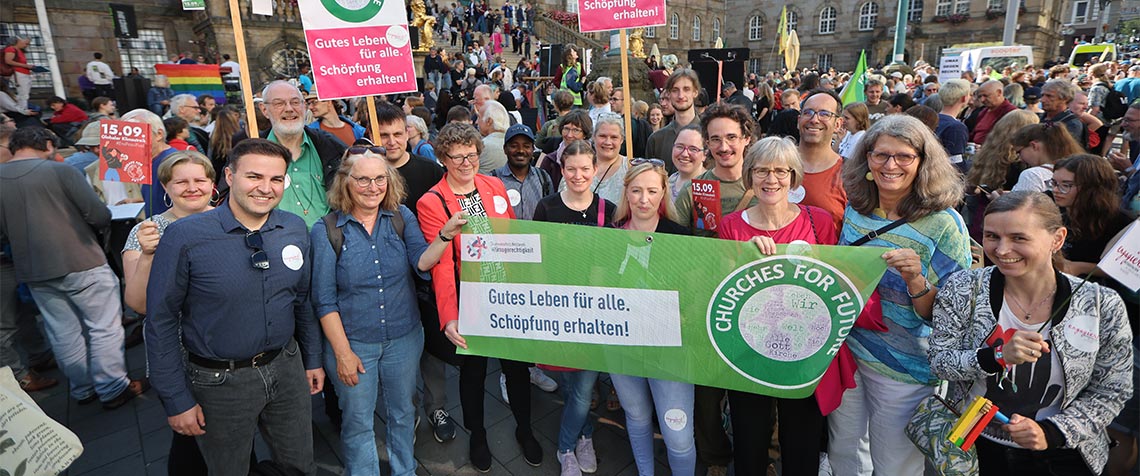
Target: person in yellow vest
572 75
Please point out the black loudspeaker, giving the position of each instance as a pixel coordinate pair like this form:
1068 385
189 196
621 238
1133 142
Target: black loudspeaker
414 31
130 93
549 57
530 118
706 68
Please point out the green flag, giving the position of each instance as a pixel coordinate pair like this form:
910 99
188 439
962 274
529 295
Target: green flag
782 30
853 91
698 310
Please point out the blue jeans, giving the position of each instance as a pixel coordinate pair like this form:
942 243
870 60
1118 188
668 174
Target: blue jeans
394 364
236 403
674 403
577 386
86 302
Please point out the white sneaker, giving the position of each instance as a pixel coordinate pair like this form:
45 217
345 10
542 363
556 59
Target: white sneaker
587 459
503 388
569 464
542 381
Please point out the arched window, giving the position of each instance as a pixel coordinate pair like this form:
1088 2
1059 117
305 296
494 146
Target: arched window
827 21
868 16
716 28
793 20
674 27
755 29
696 28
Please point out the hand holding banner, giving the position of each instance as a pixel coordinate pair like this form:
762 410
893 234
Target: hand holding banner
699 310
124 151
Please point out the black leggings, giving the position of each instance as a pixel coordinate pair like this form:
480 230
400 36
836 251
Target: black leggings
801 430
995 459
473 374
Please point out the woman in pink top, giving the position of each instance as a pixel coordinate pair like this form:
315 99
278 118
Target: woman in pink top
772 168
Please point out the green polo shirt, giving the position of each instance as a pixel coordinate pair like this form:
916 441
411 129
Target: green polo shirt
304 185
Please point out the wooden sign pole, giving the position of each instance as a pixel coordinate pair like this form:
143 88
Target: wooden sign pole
373 125
243 63
627 95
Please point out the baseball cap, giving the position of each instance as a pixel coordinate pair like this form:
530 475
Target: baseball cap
518 129
90 136
1032 93
896 75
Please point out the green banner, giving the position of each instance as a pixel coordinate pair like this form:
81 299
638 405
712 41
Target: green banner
700 310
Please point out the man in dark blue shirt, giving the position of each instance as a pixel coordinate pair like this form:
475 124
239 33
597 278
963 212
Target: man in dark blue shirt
231 286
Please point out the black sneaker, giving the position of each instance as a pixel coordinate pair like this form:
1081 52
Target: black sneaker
442 426
532 451
480 454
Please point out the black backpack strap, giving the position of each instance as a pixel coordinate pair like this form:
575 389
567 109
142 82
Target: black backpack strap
544 178
398 224
336 235
875 234
812 220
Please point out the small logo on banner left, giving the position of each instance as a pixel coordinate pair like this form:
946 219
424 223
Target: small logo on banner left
504 248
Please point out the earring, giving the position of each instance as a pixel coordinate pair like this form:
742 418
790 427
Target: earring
166 201
869 177
216 196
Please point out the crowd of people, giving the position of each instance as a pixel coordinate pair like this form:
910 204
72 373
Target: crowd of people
310 259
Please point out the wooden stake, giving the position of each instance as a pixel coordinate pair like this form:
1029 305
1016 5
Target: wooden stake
373 125
627 95
243 63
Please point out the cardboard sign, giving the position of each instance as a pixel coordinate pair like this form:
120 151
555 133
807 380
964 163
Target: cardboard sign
124 151
706 204
949 68
358 47
602 15
1122 261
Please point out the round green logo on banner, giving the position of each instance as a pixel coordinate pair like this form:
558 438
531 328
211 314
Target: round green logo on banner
353 11
780 320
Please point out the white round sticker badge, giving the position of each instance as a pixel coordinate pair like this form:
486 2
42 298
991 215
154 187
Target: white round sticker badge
1083 332
514 196
288 181
676 419
500 204
397 36
292 257
796 195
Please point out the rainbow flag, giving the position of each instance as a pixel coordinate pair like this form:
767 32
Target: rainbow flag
196 79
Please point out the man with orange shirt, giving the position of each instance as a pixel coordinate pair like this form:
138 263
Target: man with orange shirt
822 185
327 118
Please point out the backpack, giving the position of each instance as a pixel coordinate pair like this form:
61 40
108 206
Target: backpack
1115 103
336 235
6 69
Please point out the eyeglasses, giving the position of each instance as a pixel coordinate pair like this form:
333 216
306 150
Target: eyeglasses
359 149
472 157
642 160
569 129
780 173
880 158
280 104
363 182
1060 187
809 114
259 259
681 148
731 139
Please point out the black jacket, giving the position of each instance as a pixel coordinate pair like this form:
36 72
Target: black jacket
329 149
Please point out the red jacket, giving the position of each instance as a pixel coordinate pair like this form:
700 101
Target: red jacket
987 121
69 114
432 217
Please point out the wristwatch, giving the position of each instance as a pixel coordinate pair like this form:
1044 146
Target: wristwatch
446 239
925 289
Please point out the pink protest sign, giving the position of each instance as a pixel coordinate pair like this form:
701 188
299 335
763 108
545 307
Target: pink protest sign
358 47
601 15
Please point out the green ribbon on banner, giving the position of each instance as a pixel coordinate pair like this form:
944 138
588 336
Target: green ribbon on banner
699 310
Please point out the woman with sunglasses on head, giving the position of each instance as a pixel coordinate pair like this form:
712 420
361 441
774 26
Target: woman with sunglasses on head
646 206
576 204
689 156
772 168
188 179
609 133
1052 353
367 304
464 190
901 192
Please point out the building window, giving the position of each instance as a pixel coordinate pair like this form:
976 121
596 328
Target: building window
696 28
793 20
824 62
716 28
651 32
674 27
754 66
143 52
943 8
287 62
755 29
572 6
827 21
914 14
961 6
995 5
1080 11
35 53
868 16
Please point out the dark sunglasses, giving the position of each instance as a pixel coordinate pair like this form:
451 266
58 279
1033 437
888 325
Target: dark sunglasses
360 149
653 162
259 259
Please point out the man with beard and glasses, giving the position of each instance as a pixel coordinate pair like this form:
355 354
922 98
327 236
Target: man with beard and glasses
231 288
822 185
682 89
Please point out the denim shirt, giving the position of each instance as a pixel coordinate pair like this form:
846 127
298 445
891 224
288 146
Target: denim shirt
371 285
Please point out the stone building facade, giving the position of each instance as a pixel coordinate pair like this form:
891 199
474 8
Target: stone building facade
832 33
690 24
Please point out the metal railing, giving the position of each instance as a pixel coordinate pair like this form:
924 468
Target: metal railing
553 32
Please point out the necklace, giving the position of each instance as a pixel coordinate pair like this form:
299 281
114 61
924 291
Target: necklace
1029 312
